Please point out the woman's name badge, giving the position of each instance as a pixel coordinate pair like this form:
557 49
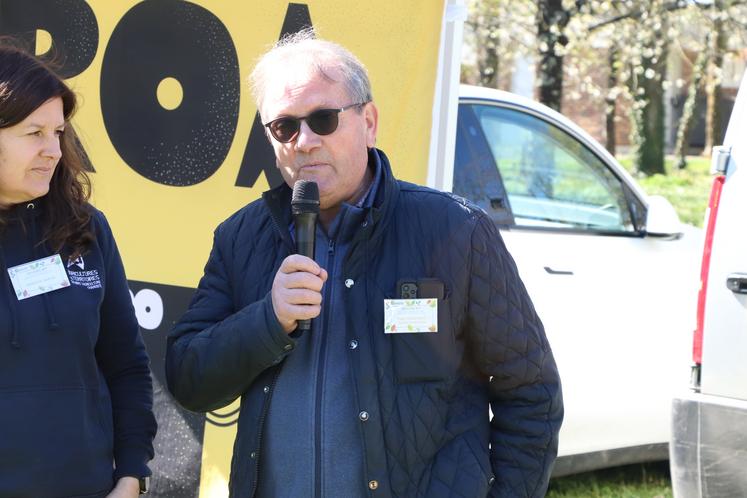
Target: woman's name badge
410 315
38 277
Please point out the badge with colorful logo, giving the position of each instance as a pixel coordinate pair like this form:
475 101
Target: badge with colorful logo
38 277
410 315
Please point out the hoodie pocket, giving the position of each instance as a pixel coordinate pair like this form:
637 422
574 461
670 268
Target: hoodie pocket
54 443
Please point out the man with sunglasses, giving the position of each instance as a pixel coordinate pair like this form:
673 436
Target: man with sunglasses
419 319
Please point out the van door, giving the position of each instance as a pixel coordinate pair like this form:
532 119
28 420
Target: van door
603 290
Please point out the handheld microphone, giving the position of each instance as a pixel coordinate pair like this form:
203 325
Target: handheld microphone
305 209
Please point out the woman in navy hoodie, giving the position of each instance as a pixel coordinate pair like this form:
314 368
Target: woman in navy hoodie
76 398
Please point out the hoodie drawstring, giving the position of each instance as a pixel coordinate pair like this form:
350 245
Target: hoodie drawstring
48 306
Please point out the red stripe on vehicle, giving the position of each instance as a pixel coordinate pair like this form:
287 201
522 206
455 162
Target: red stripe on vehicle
713 203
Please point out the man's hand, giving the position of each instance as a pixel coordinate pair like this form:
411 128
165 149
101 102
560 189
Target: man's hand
127 487
297 290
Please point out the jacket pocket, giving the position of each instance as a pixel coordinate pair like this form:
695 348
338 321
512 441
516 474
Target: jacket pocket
426 356
461 468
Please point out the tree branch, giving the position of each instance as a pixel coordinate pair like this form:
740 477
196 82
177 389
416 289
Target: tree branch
675 5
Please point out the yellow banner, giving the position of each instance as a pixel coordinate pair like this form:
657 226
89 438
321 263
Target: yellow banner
164 231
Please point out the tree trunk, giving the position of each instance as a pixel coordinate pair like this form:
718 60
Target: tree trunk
489 64
552 19
716 48
686 121
648 94
610 100
649 154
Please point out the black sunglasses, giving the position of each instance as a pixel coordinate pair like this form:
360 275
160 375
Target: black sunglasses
321 122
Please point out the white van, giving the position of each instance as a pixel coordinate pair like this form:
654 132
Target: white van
708 451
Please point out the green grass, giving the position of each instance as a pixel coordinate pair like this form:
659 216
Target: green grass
650 480
687 189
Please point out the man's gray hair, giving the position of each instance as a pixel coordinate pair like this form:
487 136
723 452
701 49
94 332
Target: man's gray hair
326 58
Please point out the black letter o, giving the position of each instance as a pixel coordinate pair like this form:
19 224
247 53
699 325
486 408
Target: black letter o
158 39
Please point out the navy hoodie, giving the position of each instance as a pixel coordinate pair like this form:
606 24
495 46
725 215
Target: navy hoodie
76 396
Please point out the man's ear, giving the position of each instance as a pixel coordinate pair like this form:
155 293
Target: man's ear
371 116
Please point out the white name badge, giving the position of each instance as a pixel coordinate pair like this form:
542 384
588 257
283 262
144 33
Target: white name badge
410 315
38 277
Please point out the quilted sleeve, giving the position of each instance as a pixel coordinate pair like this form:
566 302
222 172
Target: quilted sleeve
215 351
509 345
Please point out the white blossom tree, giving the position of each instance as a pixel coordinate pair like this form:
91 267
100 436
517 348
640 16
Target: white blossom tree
630 38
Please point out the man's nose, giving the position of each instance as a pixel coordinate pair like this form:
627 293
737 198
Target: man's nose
307 139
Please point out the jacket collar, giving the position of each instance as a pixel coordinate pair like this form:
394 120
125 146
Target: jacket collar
386 193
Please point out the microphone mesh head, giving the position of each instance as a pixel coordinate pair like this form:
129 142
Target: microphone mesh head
305 197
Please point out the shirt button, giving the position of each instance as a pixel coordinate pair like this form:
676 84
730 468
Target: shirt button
349 283
266 389
253 455
363 416
353 344
373 485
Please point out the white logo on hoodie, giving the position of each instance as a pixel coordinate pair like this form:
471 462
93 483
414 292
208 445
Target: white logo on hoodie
89 279
77 262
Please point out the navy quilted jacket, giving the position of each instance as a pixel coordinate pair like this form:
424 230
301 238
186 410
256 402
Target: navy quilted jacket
428 430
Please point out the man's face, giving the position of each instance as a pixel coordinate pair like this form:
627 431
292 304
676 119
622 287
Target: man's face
336 162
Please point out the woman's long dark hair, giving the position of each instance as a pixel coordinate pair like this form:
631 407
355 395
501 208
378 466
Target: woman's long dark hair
25 84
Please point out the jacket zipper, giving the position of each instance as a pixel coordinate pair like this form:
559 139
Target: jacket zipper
265 409
275 376
320 374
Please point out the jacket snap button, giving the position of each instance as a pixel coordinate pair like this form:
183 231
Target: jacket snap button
266 389
365 223
349 283
373 485
253 455
492 480
288 347
353 344
363 416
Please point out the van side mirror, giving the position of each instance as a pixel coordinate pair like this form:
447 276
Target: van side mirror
661 218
